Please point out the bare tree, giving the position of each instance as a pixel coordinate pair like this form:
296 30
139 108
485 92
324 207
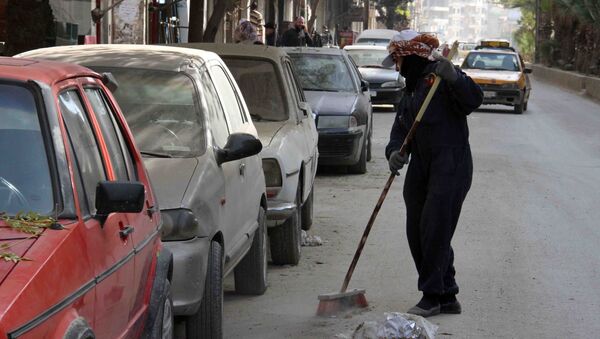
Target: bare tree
196 33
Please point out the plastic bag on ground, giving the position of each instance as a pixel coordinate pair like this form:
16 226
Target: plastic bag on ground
395 326
310 240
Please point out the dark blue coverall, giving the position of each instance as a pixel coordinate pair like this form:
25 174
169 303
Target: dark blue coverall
439 174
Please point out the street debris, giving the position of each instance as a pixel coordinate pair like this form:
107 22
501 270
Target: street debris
310 240
395 326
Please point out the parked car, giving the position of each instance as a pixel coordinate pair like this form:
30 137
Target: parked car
502 76
200 146
286 127
380 37
79 241
341 101
385 83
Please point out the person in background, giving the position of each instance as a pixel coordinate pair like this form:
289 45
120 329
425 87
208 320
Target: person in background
245 33
256 18
297 35
271 36
441 168
316 38
326 37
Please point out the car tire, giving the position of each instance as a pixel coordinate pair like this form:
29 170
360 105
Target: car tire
165 322
307 211
361 166
285 238
208 320
519 108
251 273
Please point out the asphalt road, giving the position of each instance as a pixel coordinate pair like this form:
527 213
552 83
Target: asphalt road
527 245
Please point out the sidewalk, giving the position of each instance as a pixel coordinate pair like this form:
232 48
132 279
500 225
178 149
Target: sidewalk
583 84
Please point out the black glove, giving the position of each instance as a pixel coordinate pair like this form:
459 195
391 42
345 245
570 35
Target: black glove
397 161
445 69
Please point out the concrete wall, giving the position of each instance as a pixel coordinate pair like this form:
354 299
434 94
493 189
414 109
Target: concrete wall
570 80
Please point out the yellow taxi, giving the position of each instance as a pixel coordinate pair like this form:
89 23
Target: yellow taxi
502 75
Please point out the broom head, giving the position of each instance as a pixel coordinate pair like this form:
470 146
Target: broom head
332 303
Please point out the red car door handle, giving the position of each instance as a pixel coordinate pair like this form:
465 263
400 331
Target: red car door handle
126 231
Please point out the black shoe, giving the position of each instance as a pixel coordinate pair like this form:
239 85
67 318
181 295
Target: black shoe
428 306
449 304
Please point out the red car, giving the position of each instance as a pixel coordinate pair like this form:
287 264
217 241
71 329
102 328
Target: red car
80 251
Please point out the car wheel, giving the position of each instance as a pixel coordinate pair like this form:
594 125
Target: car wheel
165 321
285 238
307 211
519 108
208 321
361 166
251 273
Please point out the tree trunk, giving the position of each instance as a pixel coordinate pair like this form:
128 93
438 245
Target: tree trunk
196 21
212 26
313 14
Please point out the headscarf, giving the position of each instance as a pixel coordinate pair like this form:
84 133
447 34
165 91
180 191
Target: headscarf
245 32
409 42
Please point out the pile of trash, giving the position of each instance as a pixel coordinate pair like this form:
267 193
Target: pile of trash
395 326
310 240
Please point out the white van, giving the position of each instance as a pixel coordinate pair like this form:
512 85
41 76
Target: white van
380 37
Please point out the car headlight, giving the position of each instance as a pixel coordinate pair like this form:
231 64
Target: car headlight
178 224
511 85
391 84
273 178
336 121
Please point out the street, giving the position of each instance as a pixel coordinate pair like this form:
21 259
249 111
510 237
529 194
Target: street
526 245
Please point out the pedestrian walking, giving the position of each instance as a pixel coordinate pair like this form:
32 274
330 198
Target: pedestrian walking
440 169
297 35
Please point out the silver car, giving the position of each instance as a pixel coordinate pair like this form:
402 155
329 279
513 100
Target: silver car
286 127
191 123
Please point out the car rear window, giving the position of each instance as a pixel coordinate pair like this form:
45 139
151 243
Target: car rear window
492 61
327 73
162 110
25 182
261 88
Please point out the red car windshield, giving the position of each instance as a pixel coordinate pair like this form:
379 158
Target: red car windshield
25 183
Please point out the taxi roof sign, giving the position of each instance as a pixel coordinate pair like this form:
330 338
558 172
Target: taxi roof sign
500 43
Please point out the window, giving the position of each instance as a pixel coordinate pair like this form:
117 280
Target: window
214 111
162 110
261 88
87 154
25 182
228 97
112 139
328 73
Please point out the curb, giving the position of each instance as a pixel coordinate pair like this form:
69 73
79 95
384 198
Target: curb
570 80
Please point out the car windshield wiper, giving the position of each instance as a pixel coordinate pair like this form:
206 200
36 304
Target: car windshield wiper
372 66
156 154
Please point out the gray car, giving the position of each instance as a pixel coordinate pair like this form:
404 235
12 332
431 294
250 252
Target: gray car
341 101
192 125
287 130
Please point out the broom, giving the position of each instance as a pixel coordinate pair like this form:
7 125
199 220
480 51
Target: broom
332 303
